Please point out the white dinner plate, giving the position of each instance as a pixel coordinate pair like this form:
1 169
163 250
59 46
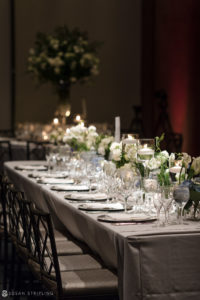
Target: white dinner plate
86 196
48 175
123 218
31 167
55 181
63 187
101 207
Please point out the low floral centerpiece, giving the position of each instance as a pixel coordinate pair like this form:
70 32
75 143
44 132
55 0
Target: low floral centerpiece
81 138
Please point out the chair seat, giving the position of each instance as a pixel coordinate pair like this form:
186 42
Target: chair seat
59 236
77 262
67 248
86 282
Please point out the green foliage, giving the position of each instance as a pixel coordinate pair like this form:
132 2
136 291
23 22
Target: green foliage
164 176
140 168
158 141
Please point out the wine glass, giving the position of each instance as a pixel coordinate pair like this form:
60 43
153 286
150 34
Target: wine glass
158 203
51 154
150 186
167 199
127 185
181 196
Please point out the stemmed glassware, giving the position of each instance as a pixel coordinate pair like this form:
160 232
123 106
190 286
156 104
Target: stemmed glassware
181 196
51 157
150 186
158 203
127 185
167 199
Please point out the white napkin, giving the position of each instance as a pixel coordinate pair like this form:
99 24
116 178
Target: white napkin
86 196
69 187
30 168
102 206
55 181
48 175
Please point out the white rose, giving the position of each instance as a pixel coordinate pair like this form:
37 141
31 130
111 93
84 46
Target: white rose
92 128
153 163
101 151
116 154
196 165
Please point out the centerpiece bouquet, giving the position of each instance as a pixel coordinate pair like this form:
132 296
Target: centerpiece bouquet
63 58
81 138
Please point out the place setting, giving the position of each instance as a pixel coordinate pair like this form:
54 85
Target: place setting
125 219
44 180
31 167
86 197
69 187
48 174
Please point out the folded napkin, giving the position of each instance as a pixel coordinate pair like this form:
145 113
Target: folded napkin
49 175
69 187
123 217
102 206
31 167
86 196
55 181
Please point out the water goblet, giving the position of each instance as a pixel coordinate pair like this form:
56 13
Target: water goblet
158 203
167 199
181 197
127 186
150 186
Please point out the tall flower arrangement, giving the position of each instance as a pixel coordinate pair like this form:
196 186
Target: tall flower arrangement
63 58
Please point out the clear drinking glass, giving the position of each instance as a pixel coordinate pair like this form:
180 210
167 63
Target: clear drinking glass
167 199
181 196
158 203
127 186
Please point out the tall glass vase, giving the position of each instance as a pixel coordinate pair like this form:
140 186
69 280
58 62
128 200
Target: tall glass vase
64 104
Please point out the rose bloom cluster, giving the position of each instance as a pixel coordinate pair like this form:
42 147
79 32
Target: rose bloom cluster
81 138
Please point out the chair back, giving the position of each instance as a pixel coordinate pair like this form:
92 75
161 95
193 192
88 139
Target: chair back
5 153
46 250
4 182
36 150
16 215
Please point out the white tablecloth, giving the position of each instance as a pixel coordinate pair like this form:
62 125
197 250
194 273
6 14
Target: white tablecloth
152 263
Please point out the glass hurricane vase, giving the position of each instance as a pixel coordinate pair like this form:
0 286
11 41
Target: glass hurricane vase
63 111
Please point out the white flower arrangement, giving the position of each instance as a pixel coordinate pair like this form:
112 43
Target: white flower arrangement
81 138
104 146
116 151
63 58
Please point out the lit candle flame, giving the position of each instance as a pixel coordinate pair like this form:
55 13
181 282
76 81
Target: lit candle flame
67 130
55 121
68 113
78 118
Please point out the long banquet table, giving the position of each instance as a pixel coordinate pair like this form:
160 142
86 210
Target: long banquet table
152 263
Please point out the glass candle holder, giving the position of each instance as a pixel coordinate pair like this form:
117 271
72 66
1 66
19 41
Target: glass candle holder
130 138
146 148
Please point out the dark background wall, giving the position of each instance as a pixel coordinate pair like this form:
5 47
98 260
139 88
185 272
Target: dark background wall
5 66
172 31
148 45
116 23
